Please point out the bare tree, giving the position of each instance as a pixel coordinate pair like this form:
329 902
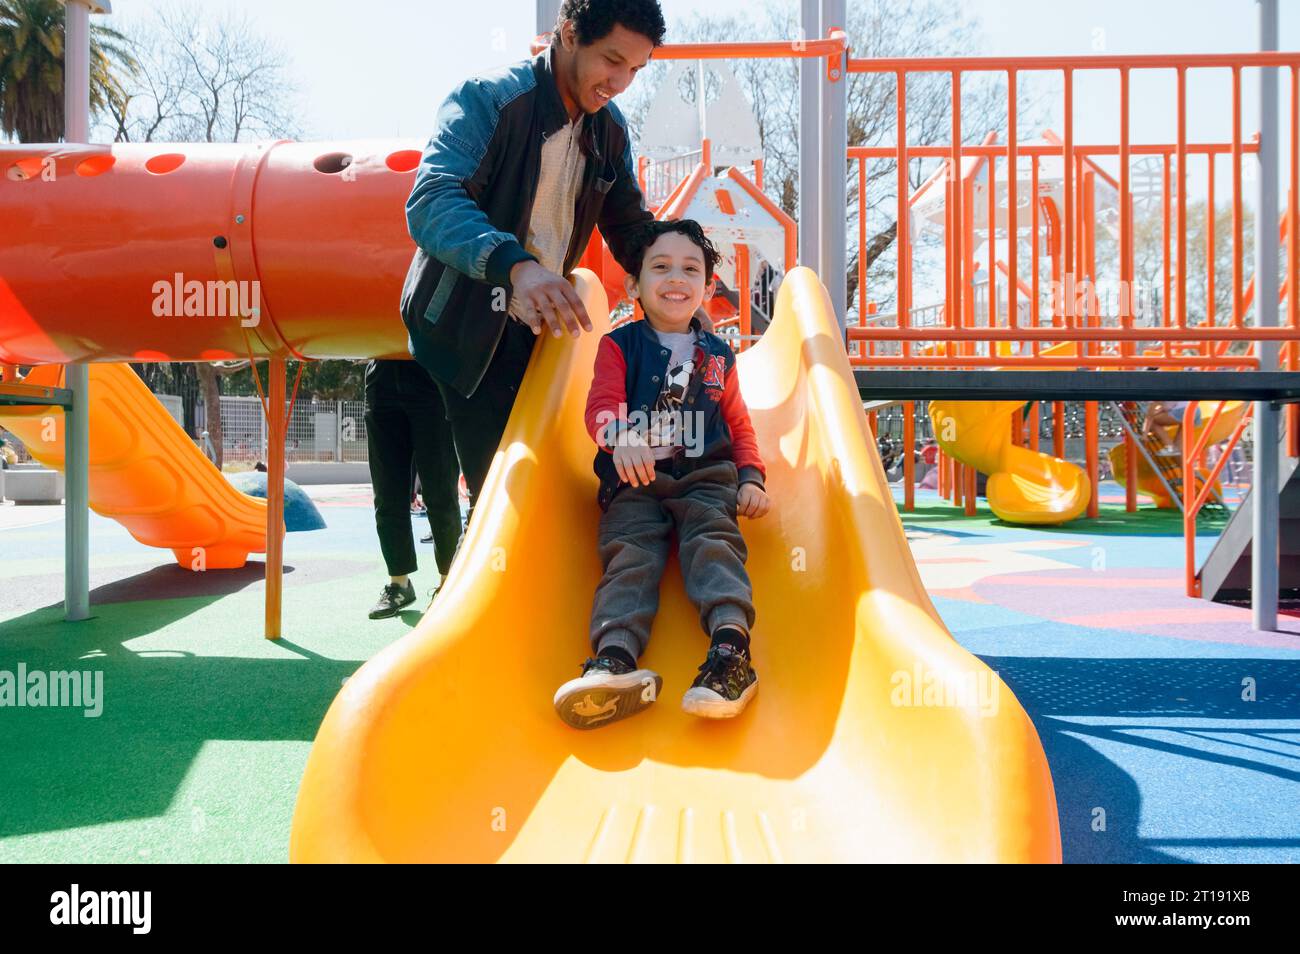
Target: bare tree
204 79
876 28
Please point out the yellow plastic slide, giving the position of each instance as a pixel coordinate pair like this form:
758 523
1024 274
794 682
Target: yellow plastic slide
1024 486
145 471
874 735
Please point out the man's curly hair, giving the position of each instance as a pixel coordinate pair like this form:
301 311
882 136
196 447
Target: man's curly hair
594 19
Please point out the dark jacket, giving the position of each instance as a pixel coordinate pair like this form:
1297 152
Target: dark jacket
473 198
627 378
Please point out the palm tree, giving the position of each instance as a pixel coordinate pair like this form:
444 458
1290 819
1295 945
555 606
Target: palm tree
31 68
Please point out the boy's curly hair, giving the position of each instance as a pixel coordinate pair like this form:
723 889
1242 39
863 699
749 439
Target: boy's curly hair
645 235
594 19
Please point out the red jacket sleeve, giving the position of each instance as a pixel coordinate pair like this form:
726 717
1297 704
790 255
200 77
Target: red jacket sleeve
607 399
744 444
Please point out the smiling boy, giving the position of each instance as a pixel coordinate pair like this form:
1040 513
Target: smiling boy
656 382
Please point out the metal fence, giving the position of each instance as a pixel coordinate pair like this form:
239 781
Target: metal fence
890 424
319 431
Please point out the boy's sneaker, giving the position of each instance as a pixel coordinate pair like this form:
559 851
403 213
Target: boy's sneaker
608 690
392 599
724 686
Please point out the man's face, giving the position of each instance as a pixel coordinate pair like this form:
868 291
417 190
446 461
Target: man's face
603 69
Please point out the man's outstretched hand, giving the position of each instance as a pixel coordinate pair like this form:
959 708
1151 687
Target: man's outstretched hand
544 299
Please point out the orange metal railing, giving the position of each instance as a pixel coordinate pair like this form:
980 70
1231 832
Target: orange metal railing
1101 340
992 336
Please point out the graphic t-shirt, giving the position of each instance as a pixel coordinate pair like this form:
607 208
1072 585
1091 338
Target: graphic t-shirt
666 421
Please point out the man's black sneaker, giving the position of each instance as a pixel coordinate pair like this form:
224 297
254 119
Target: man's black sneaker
392 599
607 690
724 686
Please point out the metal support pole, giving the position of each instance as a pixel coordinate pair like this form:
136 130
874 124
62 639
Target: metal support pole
811 71
76 420
547 13
1264 514
1092 455
338 433
275 399
834 154
76 510
701 104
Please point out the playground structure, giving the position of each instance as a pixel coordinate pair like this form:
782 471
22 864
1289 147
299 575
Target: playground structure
240 213
995 318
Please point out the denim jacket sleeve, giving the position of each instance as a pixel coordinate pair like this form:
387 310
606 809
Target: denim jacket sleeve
624 208
441 214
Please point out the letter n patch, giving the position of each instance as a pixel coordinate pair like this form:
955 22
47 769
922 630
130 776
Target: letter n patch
715 371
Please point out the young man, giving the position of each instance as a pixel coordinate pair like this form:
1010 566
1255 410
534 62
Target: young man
525 162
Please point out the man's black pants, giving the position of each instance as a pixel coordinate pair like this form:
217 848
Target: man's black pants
477 422
405 420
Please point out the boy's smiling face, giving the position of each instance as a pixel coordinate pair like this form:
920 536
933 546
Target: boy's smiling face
671 285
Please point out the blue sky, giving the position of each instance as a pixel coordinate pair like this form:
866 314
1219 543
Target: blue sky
379 69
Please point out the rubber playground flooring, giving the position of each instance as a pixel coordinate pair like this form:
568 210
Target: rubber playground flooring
1172 729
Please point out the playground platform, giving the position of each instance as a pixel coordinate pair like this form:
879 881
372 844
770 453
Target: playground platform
1135 689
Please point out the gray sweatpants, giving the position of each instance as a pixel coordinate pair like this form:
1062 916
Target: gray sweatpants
634 538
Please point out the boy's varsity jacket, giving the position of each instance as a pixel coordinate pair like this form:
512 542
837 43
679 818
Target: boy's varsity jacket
630 366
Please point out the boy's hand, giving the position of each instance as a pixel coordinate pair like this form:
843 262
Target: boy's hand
633 459
543 298
752 501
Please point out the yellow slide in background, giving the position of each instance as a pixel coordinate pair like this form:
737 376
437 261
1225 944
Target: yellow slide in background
874 735
145 471
1024 486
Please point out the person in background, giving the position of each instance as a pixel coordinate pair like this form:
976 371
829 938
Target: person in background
1161 415
405 421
